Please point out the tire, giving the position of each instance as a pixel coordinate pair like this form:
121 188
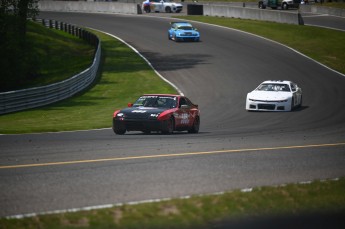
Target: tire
168 126
292 104
195 127
119 131
168 9
300 103
169 36
261 5
174 37
285 6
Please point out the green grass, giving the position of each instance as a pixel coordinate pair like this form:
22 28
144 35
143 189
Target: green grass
325 197
124 77
60 55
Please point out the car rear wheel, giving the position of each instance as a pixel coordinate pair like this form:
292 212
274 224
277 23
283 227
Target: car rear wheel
261 5
195 127
167 9
285 6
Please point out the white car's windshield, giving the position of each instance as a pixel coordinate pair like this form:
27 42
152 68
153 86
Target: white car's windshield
156 101
273 87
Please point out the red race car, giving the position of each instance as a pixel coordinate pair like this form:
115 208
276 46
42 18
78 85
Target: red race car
158 112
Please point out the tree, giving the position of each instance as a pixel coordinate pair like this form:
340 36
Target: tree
14 51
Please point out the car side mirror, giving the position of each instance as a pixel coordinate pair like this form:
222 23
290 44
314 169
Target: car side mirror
130 104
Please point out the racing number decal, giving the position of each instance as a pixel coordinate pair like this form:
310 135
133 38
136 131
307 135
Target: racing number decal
185 118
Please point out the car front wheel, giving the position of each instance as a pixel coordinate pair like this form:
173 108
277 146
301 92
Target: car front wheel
168 126
292 104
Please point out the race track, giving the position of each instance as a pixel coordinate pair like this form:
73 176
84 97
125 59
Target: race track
234 149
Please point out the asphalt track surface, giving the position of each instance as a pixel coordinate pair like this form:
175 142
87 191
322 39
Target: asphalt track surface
235 149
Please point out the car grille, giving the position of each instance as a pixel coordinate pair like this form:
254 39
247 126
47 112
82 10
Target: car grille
188 34
137 116
266 106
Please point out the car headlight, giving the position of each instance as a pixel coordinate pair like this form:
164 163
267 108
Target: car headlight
283 101
120 115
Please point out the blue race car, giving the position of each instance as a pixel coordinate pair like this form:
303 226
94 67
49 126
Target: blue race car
183 31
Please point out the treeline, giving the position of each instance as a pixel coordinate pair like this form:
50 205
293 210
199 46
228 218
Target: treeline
17 63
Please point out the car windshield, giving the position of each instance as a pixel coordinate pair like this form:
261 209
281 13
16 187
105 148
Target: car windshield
156 101
185 27
273 87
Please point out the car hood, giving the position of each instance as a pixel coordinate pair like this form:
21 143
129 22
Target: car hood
187 31
142 112
269 95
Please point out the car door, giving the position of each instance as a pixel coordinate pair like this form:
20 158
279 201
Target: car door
296 94
159 5
182 115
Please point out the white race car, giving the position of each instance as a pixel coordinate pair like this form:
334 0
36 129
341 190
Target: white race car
274 95
161 6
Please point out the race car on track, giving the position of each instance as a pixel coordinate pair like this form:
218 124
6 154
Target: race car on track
274 96
158 112
183 31
161 6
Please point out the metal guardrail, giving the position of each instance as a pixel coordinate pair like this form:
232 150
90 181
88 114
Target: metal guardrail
39 96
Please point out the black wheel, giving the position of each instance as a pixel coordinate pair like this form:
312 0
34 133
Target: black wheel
118 128
300 103
169 126
167 9
196 126
174 37
285 6
120 131
292 104
169 36
261 5
147 9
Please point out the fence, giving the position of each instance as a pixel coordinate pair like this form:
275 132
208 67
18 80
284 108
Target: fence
39 96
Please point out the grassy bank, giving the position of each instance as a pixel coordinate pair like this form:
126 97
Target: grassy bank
124 77
59 54
297 205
